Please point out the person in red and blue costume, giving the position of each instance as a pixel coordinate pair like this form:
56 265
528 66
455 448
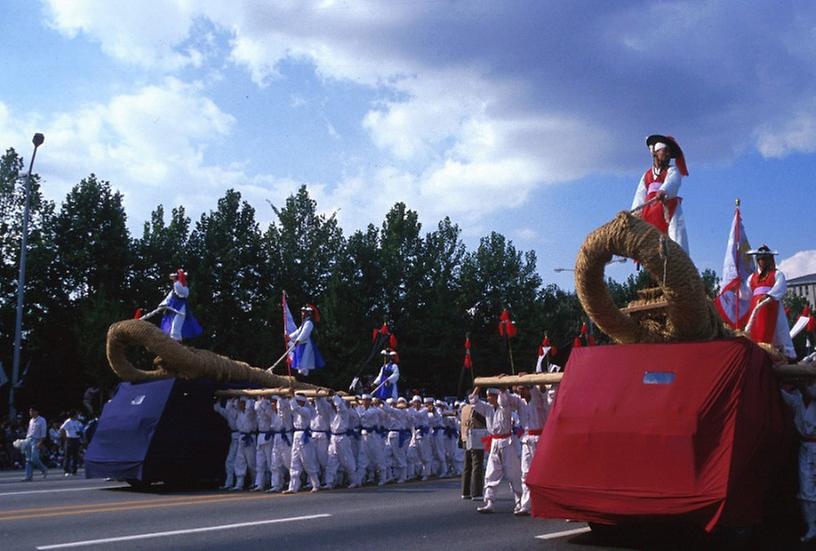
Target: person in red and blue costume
385 385
178 321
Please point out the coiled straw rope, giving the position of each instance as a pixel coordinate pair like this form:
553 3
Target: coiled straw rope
176 360
691 315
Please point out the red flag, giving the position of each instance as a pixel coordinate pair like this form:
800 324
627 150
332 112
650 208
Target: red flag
392 341
384 329
576 343
584 329
137 315
507 328
468 363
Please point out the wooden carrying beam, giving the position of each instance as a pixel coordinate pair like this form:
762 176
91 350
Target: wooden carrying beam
510 380
279 391
795 371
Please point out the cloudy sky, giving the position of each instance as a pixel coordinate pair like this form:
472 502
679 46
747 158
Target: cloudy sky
523 117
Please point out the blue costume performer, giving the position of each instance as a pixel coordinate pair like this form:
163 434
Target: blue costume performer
306 355
178 321
386 382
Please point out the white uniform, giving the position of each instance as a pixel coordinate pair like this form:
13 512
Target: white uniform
229 412
282 444
303 450
532 414
320 433
265 442
671 187
804 418
440 461
372 425
400 424
502 461
247 426
341 453
420 450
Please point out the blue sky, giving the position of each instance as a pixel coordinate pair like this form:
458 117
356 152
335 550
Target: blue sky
527 118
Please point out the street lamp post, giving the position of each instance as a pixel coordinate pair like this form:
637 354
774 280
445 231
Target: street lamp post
18 326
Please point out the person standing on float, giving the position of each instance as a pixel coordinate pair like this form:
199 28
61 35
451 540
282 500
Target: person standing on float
768 286
661 182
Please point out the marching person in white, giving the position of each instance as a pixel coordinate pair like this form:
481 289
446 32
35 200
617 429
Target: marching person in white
303 450
533 408
400 426
247 426
320 432
372 423
421 442
437 423
230 413
341 453
282 444
266 437
502 461
804 418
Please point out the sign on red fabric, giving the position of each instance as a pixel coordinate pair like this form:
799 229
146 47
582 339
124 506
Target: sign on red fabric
696 434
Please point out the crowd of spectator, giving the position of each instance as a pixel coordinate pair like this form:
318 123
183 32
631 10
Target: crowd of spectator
52 451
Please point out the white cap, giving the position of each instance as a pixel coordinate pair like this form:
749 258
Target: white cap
658 146
389 401
493 391
402 400
416 398
428 400
365 397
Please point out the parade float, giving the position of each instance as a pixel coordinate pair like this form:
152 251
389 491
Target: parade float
160 425
680 421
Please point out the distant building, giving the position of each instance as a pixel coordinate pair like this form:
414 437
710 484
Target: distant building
804 286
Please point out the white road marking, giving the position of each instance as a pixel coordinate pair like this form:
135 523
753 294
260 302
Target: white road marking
565 533
82 489
179 532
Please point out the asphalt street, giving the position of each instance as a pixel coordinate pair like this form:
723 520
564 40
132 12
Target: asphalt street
74 513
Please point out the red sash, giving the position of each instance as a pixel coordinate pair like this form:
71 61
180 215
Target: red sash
658 214
764 325
487 441
535 432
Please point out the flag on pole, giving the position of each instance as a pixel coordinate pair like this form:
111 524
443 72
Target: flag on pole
734 301
289 327
507 327
468 362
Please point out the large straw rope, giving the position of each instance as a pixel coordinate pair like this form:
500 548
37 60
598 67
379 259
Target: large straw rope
176 360
691 315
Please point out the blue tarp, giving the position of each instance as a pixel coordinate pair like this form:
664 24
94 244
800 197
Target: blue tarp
159 430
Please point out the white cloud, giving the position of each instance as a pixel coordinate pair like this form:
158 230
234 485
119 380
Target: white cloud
801 263
150 144
146 33
478 104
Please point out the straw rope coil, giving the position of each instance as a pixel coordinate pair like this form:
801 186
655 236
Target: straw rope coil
184 362
691 315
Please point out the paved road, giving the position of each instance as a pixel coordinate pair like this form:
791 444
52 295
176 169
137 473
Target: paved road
75 513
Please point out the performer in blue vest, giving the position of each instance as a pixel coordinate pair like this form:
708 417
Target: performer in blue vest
306 355
385 385
178 321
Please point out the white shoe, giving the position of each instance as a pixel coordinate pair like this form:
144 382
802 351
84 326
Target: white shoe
353 485
521 512
486 508
287 491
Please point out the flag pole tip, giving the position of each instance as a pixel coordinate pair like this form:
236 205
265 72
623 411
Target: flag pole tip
738 201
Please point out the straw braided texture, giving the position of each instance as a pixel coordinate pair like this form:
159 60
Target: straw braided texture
690 315
184 362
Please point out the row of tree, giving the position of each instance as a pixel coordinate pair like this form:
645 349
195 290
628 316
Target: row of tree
86 271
